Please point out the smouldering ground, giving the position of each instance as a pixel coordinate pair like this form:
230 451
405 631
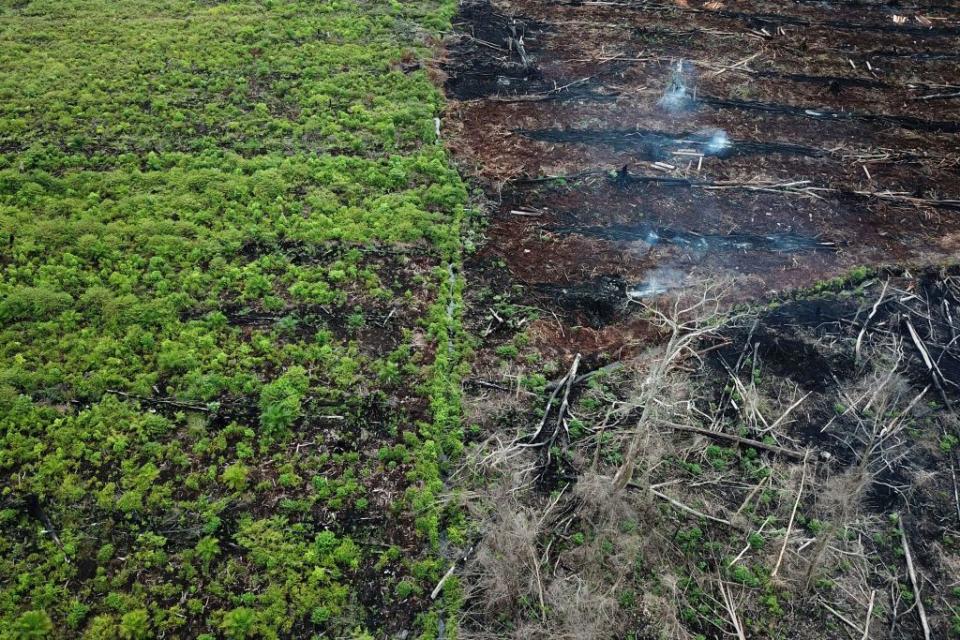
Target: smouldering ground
713 269
811 122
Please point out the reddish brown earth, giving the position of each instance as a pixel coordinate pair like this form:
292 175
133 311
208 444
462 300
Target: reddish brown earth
856 110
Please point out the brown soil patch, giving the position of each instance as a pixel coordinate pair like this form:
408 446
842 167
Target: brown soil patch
765 130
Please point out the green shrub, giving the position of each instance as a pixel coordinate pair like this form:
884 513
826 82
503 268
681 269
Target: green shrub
239 623
32 624
405 589
280 402
135 625
949 442
33 303
196 232
207 550
235 476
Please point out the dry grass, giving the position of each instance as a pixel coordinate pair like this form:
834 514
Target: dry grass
689 547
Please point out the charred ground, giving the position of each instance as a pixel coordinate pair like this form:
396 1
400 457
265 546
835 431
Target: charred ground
830 122
637 158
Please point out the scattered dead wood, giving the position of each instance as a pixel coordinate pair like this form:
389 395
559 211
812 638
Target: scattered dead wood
688 509
453 567
732 611
687 324
938 96
747 442
571 377
35 509
606 369
910 123
488 384
844 619
776 21
190 406
739 64
935 374
583 217
866 323
801 188
890 196
543 438
869 617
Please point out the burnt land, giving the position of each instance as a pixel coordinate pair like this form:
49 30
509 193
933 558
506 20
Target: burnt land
779 183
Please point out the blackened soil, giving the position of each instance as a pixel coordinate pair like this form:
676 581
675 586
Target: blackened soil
634 150
491 54
771 145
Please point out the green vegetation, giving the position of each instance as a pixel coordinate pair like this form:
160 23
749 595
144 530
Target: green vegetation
229 319
850 280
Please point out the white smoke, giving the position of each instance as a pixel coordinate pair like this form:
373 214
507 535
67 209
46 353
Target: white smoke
681 90
717 141
659 281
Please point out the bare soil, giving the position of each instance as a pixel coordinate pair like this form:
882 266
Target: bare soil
800 127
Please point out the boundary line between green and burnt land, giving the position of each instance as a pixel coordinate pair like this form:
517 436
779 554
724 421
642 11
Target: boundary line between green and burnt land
443 442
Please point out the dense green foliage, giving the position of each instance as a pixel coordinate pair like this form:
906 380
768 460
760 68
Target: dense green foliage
229 320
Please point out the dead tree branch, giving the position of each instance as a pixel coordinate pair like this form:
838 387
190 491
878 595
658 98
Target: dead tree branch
921 611
747 442
793 515
686 326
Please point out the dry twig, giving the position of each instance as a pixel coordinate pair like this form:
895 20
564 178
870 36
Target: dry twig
756 444
921 611
732 611
793 515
